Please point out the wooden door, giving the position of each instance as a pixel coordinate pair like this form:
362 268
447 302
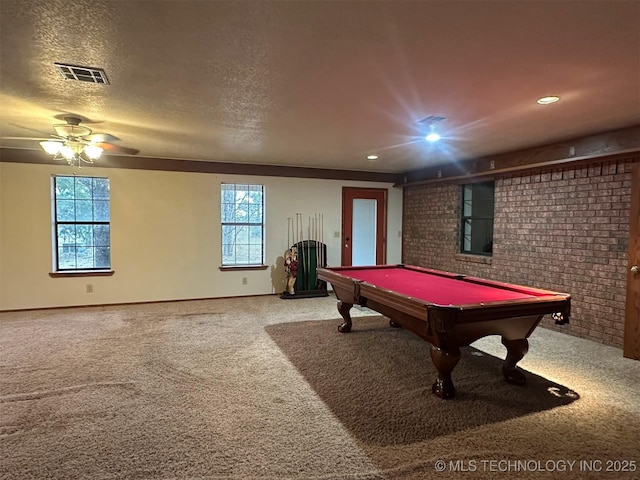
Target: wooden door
632 315
349 195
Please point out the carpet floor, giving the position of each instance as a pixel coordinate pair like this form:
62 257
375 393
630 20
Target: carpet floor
263 388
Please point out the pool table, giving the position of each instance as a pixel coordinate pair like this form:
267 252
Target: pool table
448 310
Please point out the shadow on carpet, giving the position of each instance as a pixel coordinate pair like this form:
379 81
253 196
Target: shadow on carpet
377 381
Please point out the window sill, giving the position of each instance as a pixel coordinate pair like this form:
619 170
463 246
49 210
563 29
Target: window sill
82 273
466 257
237 268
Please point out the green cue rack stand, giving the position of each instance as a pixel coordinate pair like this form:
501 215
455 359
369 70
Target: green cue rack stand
311 255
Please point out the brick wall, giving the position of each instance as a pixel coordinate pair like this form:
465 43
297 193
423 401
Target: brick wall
565 230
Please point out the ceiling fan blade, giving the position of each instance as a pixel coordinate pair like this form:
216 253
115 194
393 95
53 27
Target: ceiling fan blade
111 148
40 132
39 139
101 138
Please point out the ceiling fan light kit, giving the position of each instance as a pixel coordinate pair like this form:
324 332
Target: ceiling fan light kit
72 145
69 150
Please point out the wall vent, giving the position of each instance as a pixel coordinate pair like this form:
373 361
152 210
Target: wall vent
83 74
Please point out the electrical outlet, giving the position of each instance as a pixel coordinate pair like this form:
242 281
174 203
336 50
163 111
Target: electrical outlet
244 280
89 287
336 234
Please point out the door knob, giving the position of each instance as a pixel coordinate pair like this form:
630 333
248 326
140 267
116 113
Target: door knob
635 270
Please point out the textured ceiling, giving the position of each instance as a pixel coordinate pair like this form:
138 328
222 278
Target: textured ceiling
321 84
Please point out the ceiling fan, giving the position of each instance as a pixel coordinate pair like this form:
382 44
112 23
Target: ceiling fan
77 144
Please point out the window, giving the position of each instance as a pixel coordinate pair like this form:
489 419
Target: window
242 216
81 233
477 218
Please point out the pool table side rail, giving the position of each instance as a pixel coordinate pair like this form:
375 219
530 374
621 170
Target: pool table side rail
483 281
513 287
471 312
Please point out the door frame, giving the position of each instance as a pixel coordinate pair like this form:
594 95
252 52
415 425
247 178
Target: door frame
631 345
348 195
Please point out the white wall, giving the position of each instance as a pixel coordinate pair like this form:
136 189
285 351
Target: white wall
165 235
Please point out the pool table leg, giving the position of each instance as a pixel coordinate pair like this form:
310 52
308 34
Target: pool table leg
516 349
444 361
344 308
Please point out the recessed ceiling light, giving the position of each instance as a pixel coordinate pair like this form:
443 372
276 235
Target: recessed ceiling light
372 157
548 100
432 137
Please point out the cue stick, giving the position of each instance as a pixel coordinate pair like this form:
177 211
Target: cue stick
324 251
315 237
300 233
313 229
296 240
298 227
317 248
304 262
301 253
301 250
308 259
310 244
322 239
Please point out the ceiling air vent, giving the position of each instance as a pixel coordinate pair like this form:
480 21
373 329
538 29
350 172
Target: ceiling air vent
83 74
431 119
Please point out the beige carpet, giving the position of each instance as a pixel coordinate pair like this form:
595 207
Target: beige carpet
267 388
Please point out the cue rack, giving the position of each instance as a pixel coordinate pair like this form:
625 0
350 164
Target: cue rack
312 254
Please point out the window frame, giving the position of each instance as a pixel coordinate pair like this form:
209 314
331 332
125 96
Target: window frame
464 219
58 269
262 224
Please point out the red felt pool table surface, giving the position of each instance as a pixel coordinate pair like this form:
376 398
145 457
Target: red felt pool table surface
439 288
